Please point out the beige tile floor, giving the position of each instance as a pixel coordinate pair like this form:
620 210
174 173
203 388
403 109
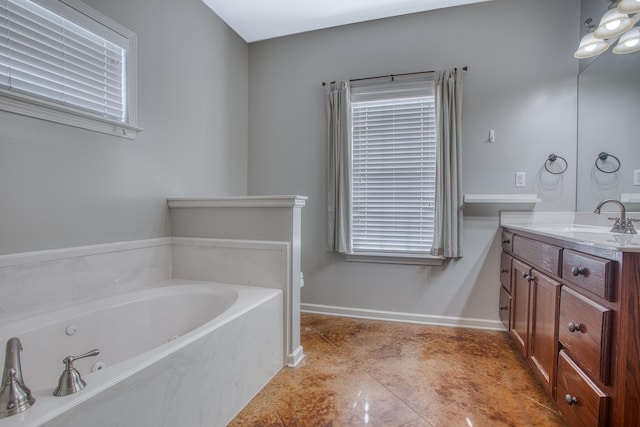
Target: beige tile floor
374 373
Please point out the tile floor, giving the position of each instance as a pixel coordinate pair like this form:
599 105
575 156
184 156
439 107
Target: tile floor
366 372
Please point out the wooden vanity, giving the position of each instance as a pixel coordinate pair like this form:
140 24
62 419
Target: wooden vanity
573 309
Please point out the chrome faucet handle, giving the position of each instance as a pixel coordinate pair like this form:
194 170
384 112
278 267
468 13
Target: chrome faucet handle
629 228
70 381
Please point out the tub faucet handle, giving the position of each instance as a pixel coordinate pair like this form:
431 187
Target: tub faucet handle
70 381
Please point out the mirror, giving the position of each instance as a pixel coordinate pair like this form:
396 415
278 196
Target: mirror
608 121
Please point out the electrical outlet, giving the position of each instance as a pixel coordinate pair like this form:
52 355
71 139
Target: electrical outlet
521 179
636 177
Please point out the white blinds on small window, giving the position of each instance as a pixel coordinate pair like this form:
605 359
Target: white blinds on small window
394 165
45 55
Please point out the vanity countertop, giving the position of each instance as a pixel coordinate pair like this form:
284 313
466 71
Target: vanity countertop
584 228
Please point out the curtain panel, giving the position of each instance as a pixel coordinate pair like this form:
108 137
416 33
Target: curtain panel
449 195
338 110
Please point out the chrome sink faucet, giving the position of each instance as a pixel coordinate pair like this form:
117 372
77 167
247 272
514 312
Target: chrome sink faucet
15 396
622 224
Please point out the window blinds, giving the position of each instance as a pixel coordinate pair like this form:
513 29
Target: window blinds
394 168
45 55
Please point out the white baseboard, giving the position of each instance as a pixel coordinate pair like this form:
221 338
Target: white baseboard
393 316
297 356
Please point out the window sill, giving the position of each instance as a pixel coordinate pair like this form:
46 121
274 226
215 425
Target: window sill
41 109
386 258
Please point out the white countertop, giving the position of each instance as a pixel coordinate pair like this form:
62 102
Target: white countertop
581 227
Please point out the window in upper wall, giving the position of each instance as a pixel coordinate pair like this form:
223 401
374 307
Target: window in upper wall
62 61
393 168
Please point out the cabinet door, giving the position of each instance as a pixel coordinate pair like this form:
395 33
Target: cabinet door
543 339
505 271
521 276
505 308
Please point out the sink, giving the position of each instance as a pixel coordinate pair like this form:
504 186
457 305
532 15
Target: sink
572 228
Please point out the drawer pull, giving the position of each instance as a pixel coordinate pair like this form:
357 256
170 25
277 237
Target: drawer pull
578 271
573 327
504 270
571 400
527 276
504 308
506 241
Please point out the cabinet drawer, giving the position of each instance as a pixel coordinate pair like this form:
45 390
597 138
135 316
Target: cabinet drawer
507 241
581 402
505 271
505 308
590 273
543 255
585 333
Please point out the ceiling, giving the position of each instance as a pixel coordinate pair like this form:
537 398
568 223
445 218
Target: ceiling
256 20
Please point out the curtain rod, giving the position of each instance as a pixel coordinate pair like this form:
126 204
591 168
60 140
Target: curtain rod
465 68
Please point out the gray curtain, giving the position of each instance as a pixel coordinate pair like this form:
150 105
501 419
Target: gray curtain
338 110
447 240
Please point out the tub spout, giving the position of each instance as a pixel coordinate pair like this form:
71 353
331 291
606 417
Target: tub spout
15 396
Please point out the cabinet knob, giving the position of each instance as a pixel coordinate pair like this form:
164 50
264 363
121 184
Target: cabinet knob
573 327
571 400
504 308
504 270
576 271
527 276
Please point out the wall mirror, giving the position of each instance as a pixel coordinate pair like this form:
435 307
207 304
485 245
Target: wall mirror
608 122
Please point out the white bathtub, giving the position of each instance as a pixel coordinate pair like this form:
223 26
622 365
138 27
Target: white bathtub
186 354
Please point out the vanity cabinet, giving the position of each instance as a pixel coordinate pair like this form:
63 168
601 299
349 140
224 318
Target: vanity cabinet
575 316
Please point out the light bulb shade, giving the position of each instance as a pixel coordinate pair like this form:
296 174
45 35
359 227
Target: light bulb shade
629 42
629 6
590 46
612 24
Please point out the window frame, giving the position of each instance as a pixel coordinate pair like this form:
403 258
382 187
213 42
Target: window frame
35 107
395 257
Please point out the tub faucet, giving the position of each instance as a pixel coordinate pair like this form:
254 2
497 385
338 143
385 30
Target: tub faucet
622 224
15 396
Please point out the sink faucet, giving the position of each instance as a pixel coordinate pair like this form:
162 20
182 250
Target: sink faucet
622 224
15 396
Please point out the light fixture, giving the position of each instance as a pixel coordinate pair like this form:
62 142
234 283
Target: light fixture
629 6
629 42
613 24
590 46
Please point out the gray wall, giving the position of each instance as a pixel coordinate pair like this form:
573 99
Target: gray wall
62 186
521 82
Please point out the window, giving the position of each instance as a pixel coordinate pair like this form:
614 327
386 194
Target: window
393 168
62 61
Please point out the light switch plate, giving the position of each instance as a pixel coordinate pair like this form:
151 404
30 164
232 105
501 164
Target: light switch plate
521 179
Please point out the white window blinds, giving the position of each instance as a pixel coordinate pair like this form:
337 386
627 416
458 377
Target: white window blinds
394 167
52 52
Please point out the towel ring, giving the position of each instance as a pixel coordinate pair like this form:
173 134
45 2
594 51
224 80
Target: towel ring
552 158
604 156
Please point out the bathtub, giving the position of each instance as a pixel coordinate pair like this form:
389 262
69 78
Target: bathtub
181 354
